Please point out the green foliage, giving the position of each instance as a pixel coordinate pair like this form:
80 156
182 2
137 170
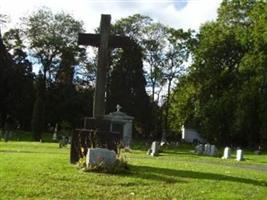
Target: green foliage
183 107
21 96
154 55
68 103
5 72
16 80
164 52
126 86
50 35
133 26
228 76
151 38
174 58
52 39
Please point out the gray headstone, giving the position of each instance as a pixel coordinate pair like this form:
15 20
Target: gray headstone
226 153
199 149
155 148
213 150
207 149
239 155
100 155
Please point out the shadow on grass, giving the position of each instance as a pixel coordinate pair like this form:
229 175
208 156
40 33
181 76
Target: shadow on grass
172 176
34 152
179 152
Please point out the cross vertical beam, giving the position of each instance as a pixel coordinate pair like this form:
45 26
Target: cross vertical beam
102 65
104 41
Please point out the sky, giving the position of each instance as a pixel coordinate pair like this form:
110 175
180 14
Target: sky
175 13
186 14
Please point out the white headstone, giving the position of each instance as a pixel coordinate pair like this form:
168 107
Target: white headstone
55 133
226 153
54 136
155 148
100 155
239 155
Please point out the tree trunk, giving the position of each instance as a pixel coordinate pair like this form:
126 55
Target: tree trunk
167 105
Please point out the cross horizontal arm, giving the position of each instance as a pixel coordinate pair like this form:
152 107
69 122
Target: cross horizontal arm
94 40
89 39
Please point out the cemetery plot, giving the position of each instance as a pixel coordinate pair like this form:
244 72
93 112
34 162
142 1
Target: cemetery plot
33 170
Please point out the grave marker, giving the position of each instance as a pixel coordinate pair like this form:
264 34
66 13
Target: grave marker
213 150
207 149
239 155
154 150
226 153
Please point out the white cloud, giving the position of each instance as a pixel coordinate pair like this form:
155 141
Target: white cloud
198 12
175 13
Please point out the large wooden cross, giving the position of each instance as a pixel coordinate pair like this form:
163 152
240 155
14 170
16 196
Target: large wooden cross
104 41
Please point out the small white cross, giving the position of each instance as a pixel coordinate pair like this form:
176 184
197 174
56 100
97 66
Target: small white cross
118 107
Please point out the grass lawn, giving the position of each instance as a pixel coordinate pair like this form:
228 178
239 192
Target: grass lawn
31 170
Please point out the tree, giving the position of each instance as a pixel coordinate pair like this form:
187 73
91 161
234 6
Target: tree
52 40
217 57
21 96
151 38
136 27
38 121
51 35
175 56
5 73
127 86
228 77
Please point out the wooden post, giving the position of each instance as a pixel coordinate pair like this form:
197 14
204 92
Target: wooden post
102 65
104 41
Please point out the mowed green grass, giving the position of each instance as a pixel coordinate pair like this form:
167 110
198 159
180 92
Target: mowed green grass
31 170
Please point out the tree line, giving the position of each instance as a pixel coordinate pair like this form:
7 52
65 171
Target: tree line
223 94
213 80
63 89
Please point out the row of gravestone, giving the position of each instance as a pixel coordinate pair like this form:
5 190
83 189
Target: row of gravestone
211 150
227 154
206 149
98 155
108 157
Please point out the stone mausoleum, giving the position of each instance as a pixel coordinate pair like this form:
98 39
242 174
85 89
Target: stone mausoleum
123 123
